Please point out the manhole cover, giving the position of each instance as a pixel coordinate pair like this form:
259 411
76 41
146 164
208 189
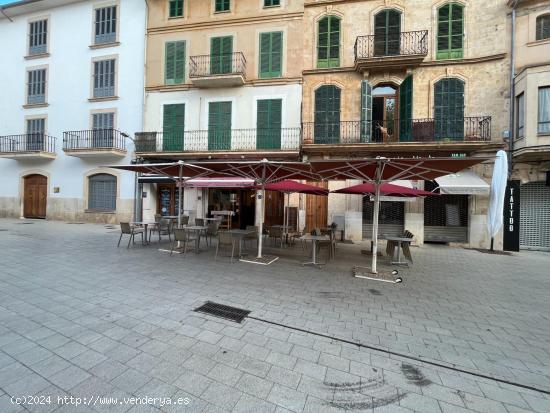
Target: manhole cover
223 311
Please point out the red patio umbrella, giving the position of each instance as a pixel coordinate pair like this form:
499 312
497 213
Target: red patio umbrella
381 170
385 189
288 187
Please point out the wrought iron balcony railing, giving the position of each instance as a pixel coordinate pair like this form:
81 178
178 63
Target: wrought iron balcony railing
217 65
28 142
233 140
94 139
399 44
467 129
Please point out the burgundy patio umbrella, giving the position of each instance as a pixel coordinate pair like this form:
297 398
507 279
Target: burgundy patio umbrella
381 170
288 187
385 189
263 172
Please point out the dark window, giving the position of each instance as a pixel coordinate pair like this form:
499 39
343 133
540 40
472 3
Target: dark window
104 78
176 8
38 37
520 116
450 31
102 192
449 109
544 110
222 5
36 86
387 32
105 25
328 42
543 27
270 3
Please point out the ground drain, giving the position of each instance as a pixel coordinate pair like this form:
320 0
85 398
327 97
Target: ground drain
223 311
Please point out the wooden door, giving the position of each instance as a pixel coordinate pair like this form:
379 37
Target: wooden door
274 204
316 208
34 196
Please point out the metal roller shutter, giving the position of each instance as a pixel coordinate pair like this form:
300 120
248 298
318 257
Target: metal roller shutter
391 220
535 216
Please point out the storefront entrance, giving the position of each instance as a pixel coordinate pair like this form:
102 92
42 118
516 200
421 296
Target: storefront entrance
391 220
242 202
35 196
168 199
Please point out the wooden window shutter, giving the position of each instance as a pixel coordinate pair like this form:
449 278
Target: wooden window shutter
366 111
450 31
268 124
173 127
328 42
271 53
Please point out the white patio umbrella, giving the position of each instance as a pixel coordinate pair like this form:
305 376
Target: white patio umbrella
496 199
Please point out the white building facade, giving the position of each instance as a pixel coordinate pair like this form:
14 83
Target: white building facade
72 96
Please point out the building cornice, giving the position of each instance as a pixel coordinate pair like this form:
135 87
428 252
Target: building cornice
249 83
241 21
321 3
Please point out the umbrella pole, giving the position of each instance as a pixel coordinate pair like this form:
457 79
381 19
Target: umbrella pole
261 226
180 193
285 215
375 227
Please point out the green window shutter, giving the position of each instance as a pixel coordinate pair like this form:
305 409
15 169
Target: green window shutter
176 8
405 109
450 31
449 109
271 53
366 111
219 126
175 63
268 124
173 127
387 32
328 42
221 55
222 5
327 114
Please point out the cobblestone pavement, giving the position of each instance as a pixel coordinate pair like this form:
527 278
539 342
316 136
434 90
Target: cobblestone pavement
80 317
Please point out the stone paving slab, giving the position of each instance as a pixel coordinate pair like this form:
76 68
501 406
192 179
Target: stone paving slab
80 317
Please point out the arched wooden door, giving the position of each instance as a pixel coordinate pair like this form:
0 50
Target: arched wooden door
35 193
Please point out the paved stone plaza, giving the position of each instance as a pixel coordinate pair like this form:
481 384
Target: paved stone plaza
79 317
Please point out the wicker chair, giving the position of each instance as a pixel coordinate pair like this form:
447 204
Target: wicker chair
225 240
163 227
212 231
183 236
127 229
276 233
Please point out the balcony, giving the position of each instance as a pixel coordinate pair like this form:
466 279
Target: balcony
230 143
218 70
27 146
399 136
94 143
401 51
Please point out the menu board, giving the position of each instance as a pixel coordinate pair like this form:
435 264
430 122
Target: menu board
165 201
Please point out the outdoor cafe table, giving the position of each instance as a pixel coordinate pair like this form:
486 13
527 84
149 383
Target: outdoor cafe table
314 239
145 224
198 229
399 241
239 234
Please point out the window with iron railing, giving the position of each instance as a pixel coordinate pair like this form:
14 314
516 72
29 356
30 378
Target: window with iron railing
105 25
36 129
38 37
104 78
36 86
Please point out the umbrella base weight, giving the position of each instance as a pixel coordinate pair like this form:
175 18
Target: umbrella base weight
264 260
384 276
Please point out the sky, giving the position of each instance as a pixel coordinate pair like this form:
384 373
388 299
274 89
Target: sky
2 2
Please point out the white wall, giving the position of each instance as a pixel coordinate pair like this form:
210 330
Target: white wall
68 91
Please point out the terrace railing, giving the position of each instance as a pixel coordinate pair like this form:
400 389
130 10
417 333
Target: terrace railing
400 44
28 142
94 139
216 65
230 140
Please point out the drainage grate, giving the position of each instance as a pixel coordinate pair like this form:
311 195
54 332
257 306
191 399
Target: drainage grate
223 311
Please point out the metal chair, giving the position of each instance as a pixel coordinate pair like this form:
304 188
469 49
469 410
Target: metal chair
276 233
183 236
225 240
252 237
330 244
199 222
127 229
163 227
212 231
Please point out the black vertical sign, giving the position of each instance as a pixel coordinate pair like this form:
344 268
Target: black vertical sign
511 216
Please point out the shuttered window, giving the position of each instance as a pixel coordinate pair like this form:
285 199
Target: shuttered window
271 54
328 42
387 32
520 116
36 126
173 127
543 27
104 78
219 126
105 25
174 63
327 114
103 125
271 3
268 124
221 55
176 8
450 31
449 109
38 37
222 5
102 192
366 111
36 86
544 110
